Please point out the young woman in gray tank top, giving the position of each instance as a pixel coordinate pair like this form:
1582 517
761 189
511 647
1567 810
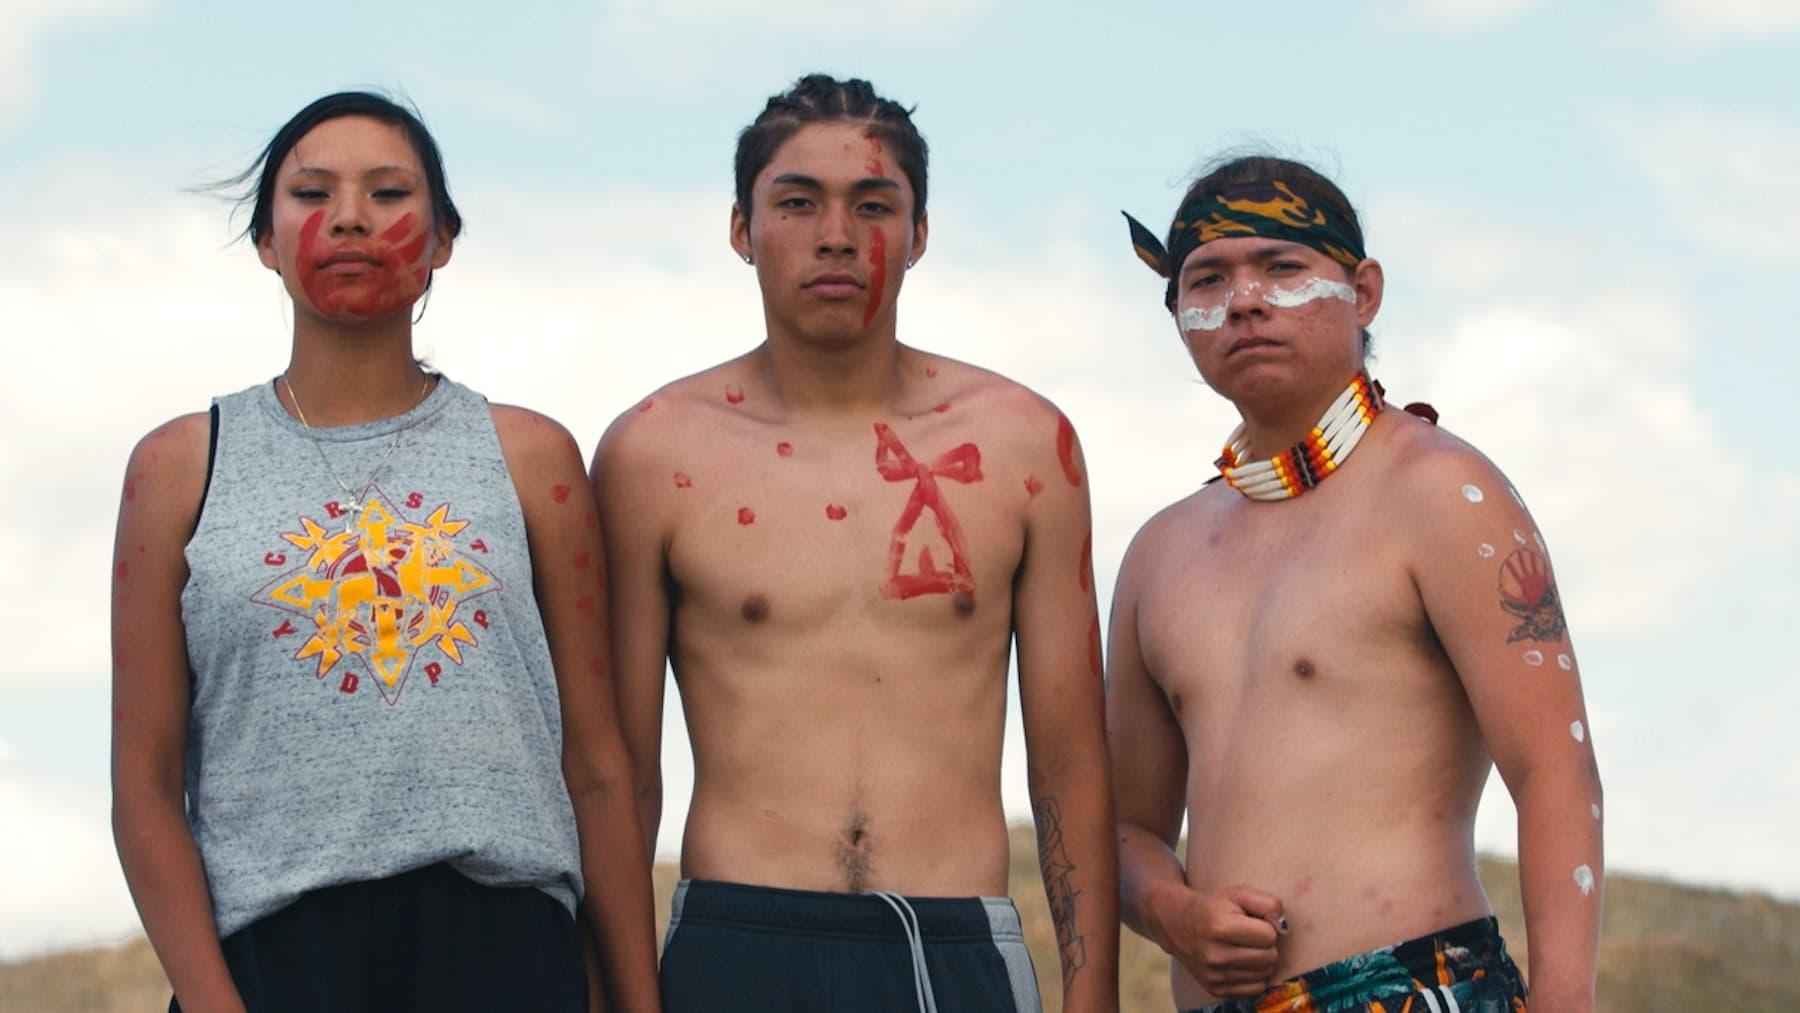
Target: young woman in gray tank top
364 748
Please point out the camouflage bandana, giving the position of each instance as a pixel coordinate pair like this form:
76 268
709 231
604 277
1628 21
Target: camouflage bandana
1267 208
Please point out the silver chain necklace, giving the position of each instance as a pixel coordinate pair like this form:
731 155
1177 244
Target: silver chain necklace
354 505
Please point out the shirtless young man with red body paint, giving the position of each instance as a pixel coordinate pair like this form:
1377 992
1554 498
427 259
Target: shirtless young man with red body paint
1320 658
835 539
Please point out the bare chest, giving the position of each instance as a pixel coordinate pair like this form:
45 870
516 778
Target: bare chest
907 525
1283 606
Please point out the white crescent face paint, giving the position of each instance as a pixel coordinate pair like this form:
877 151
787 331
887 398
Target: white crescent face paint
1309 290
1196 319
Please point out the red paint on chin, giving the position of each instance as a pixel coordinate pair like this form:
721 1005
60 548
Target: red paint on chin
560 493
785 449
388 281
835 512
746 516
877 272
1065 449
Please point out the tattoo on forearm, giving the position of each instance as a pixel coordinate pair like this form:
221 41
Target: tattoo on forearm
1527 591
1053 858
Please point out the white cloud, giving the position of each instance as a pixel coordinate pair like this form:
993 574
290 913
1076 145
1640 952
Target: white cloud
672 40
1710 19
23 23
1571 369
58 870
1458 16
1728 180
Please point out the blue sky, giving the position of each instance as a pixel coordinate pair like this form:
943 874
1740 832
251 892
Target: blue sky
1586 216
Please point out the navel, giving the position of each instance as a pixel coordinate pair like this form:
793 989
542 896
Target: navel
1303 668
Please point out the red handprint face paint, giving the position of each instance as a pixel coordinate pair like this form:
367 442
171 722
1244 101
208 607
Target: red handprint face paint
351 229
363 277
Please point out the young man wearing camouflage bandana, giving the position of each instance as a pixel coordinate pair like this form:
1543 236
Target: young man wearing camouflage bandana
1318 668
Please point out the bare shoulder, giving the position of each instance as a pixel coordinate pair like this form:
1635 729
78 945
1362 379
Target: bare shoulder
531 435
1179 522
1434 476
166 473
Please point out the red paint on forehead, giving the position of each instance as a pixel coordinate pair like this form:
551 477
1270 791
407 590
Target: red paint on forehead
877 271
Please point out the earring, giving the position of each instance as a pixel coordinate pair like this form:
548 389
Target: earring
910 263
748 260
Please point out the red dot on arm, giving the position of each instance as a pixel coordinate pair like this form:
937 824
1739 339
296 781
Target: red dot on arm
785 449
559 493
942 408
122 571
682 481
835 512
746 516
580 560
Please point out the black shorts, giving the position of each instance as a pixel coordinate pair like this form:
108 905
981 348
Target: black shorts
429 939
733 947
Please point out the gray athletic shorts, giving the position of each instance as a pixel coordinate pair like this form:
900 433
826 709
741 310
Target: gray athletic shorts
736 947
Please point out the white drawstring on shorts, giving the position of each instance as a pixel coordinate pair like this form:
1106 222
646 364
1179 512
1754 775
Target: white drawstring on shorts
909 920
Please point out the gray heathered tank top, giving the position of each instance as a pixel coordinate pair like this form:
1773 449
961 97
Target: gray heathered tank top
372 688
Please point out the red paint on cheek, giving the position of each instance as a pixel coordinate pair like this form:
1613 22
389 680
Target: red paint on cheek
1033 486
835 512
877 272
559 493
581 560
746 516
1086 575
785 449
387 279
682 481
734 394
1065 449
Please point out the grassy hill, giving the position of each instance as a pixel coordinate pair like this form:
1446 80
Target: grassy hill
1665 948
